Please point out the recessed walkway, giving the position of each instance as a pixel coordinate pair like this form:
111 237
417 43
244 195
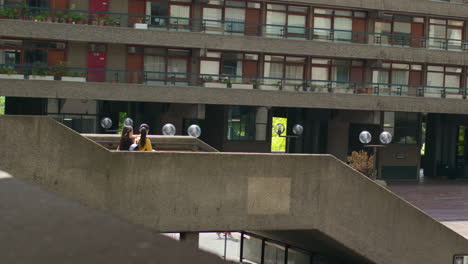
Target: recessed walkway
446 201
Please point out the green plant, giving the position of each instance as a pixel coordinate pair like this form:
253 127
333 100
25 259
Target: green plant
6 70
41 17
59 70
39 71
111 21
208 79
77 17
11 12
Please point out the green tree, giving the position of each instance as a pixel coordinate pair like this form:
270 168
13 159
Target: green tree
2 105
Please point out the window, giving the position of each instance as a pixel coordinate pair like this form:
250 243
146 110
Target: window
445 34
278 67
241 123
163 65
328 73
443 76
228 16
29 52
286 21
160 11
399 30
394 78
403 126
337 24
230 64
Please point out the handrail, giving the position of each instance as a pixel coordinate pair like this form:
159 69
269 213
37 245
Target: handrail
228 27
24 71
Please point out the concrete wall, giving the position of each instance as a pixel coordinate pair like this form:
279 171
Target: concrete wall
76 54
200 95
226 191
33 231
121 35
412 6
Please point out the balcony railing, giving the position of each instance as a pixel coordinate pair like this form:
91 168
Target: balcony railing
226 27
77 74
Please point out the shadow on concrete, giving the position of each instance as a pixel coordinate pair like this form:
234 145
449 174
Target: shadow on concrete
41 227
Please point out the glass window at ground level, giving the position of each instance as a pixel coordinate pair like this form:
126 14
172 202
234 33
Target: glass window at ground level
403 126
241 123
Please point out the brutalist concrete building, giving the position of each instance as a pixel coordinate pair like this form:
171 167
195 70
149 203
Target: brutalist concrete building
237 68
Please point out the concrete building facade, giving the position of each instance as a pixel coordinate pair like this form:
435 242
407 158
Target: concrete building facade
233 67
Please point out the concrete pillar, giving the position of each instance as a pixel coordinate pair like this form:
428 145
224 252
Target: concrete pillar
338 139
116 60
190 238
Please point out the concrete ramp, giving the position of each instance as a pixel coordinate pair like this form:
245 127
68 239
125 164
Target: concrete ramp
308 200
38 227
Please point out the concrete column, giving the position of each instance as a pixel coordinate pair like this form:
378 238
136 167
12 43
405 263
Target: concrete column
190 238
197 12
338 138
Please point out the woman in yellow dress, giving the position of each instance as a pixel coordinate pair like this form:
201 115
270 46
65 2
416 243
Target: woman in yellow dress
144 143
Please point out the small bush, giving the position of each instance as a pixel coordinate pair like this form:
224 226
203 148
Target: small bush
362 162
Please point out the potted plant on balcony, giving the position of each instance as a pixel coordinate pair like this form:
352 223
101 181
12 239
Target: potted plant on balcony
140 23
74 77
8 73
67 18
210 82
11 13
271 87
111 21
41 17
77 18
41 74
240 85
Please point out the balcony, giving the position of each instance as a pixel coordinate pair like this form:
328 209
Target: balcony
77 74
176 87
229 28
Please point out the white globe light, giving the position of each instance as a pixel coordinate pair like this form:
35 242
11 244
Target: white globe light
128 121
194 131
298 129
279 129
106 123
385 137
365 137
169 130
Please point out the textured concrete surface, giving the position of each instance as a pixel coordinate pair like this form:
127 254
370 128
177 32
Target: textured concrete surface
43 228
405 6
183 191
446 201
166 143
201 95
124 35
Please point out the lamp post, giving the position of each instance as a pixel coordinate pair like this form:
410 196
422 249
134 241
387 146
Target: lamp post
297 130
385 138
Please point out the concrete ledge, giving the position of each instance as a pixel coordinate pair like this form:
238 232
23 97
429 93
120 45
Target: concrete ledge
39 227
175 191
124 35
202 95
404 6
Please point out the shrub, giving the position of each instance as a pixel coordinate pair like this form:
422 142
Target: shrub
362 162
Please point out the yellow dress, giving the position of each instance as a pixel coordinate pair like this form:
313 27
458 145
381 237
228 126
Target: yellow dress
146 147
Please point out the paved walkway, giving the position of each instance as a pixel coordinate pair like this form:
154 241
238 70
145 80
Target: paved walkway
446 201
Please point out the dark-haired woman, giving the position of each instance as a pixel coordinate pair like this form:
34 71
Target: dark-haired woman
144 143
126 139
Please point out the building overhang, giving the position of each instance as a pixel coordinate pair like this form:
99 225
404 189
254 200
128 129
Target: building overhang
225 96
